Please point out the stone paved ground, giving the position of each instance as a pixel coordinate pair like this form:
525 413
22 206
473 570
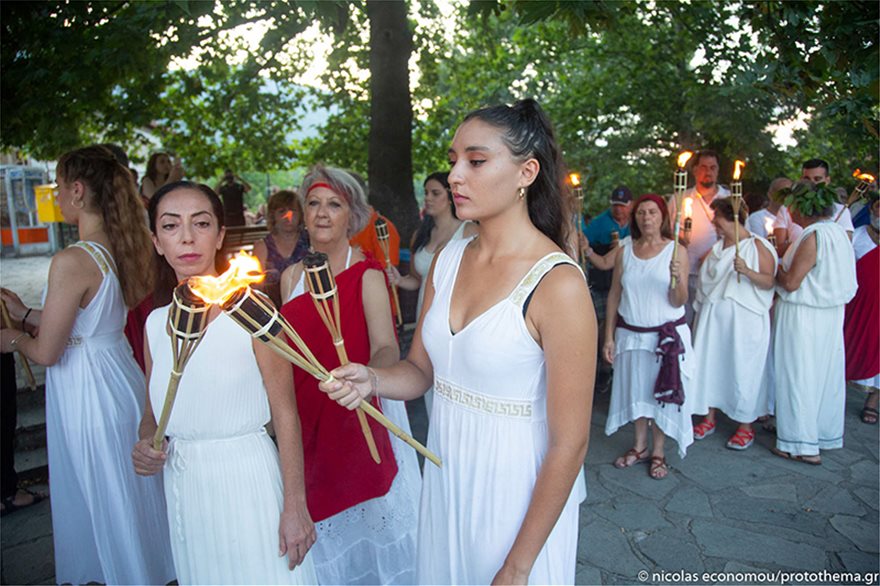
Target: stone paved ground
718 510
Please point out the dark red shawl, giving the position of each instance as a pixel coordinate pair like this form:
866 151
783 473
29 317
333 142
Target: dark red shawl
860 328
339 470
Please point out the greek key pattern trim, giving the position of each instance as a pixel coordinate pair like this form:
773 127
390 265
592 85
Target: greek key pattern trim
539 270
471 400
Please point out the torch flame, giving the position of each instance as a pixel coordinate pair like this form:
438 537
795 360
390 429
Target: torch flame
575 179
866 177
737 169
288 216
683 158
243 270
768 225
688 207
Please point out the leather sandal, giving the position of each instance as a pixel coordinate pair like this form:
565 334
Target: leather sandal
659 470
631 458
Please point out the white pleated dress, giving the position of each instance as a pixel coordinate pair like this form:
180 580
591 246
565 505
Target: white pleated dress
108 523
644 302
732 340
373 542
222 477
808 351
489 426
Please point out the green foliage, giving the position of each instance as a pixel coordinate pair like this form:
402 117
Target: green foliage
808 199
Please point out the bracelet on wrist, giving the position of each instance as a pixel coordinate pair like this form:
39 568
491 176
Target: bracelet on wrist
26 314
14 343
374 382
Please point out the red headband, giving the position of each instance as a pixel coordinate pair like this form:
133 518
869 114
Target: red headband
651 197
318 184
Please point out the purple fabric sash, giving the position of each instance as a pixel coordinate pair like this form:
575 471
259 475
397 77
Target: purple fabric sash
668 388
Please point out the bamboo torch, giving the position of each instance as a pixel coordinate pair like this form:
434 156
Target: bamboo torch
576 217
322 288
187 320
679 187
736 199
382 235
25 365
865 181
254 311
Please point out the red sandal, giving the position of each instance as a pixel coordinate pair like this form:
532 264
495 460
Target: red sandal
742 439
704 429
631 458
659 470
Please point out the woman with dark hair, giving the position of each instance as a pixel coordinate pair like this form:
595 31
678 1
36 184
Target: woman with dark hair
286 243
508 338
366 512
815 281
108 524
161 171
732 339
646 320
234 507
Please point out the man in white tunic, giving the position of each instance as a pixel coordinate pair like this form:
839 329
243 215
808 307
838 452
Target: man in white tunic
816 279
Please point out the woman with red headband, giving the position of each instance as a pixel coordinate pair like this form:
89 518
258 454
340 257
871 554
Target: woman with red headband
366 514
646 321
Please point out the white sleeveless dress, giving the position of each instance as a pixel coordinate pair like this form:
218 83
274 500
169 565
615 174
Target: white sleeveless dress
644 302
222 477
108 523
422 260
732 339
373 542
489 426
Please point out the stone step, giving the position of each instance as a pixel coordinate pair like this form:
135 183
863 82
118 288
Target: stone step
28 399
32 466
30 433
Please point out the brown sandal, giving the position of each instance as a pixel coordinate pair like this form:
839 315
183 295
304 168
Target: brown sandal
659 470
631 458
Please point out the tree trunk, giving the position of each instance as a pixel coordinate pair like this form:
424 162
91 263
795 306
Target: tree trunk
390 172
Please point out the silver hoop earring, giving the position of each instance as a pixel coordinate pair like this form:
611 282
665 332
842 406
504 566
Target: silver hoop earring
81 205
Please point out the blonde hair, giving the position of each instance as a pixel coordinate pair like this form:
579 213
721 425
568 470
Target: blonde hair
111 190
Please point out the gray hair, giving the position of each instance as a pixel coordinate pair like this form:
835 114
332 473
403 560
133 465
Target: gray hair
344 185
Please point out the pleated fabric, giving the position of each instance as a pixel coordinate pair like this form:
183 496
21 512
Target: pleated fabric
222 477
489 426
109 524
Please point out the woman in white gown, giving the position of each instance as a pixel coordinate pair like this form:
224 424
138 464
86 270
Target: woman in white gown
108 524
508 337
816 280
236 516
439 227
646 318
732 338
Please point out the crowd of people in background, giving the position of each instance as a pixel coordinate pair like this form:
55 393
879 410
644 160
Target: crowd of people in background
749 315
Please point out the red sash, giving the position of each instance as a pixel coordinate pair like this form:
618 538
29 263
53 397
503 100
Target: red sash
339 470
860 328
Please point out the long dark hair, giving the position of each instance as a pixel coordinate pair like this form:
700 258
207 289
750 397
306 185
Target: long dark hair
527 132
112 193
165 277
423 233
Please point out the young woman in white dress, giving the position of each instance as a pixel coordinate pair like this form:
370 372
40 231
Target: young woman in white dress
108 524
508 338
732 339
641 295
439 227
816 279
236 516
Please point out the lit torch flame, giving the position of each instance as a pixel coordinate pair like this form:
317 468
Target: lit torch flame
575 179
737 169
866 177
688 207
683 158
288 216
768 226
244 270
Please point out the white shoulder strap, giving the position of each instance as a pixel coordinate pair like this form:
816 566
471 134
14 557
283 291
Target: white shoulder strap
537 272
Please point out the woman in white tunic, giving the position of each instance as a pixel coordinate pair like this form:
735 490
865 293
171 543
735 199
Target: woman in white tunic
235 515
508 338
645 315
732 337
108 524
439 226
816 280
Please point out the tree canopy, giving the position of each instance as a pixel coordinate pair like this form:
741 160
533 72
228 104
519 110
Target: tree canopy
628 84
